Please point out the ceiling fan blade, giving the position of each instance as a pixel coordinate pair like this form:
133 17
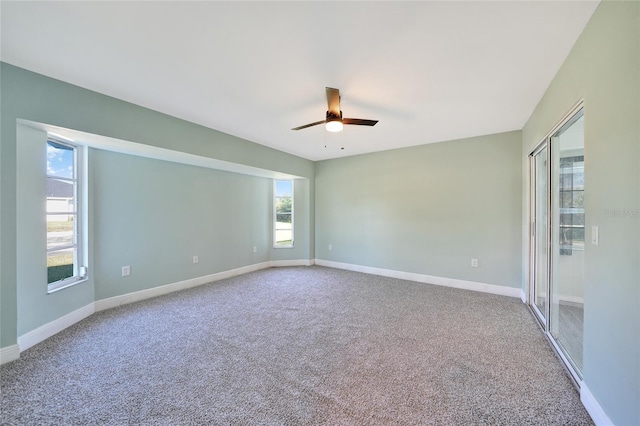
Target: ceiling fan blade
359 121
309 125
333 101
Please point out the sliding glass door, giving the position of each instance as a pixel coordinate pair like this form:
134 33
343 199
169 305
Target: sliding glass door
558 237
539 227
567 264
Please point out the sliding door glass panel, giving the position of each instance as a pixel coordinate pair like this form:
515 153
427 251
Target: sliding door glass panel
540 270
567 237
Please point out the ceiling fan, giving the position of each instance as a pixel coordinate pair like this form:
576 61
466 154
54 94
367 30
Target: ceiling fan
334 120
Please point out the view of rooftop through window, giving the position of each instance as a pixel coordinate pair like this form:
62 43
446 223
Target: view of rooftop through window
61 215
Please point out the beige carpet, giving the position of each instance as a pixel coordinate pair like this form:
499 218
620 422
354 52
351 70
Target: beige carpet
297 346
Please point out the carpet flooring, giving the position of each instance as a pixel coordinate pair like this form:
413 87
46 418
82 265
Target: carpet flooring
297 346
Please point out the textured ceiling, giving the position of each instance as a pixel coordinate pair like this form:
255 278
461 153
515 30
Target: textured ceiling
428 71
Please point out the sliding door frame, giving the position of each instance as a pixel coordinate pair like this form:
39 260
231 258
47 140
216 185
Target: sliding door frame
544 317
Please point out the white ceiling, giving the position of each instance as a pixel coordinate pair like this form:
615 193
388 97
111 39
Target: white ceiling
429 71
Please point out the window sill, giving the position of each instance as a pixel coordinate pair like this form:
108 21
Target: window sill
58 287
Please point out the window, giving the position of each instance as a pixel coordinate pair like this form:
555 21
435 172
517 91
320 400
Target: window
283 214
64 249
571 200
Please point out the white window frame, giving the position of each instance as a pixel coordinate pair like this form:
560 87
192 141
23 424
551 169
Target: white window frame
275 214
79 210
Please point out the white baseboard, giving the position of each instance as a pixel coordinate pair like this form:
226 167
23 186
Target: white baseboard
137 296
9 353
45 331
523 297
594 409
296 262
446 282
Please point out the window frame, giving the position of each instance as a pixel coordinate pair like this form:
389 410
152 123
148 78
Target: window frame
79 208
275 214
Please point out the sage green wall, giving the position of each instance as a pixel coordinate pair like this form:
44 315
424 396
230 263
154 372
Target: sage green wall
8 255
427 209
155 216
604 69
30 96
35 306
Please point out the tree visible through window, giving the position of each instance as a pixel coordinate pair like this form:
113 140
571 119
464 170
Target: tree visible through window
283 213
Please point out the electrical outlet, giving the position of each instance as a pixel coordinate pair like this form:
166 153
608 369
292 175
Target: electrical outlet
126 271
330 247
474 263
255 249
195 259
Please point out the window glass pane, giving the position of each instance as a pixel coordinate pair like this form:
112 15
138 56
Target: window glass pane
282 218
59 188
566 198
283 213
63 252
60 265
284 188
578 178
571 201
576 235
284 204
60 231
57 205
578 199
60 160
566 219
284 237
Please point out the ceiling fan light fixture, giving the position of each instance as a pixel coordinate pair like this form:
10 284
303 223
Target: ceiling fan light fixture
334 120
334 125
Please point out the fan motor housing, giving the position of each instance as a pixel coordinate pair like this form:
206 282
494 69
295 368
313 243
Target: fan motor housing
333 117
